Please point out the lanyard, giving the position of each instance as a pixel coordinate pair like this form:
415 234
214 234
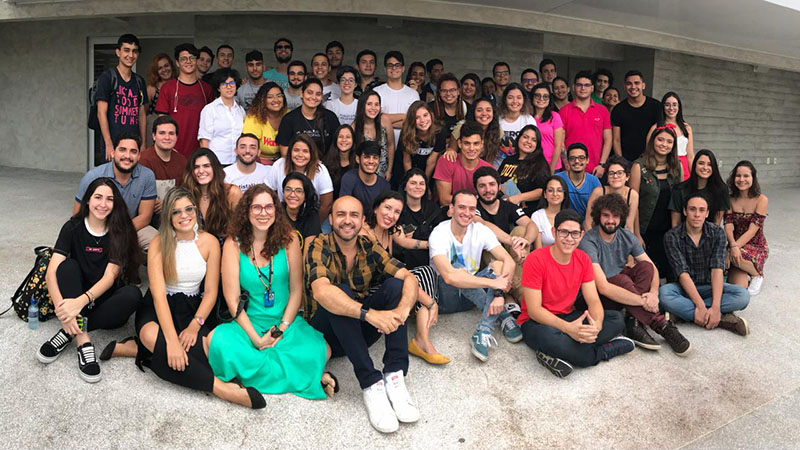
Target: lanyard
269 295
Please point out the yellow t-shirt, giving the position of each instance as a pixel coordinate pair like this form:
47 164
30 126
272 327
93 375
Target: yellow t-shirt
266 136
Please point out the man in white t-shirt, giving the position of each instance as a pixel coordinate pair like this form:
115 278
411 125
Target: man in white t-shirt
247 171
396 97
345 106
456 247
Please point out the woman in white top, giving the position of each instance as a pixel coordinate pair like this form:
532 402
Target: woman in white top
221 121
302 156
673 118
178 310
555 199
515 113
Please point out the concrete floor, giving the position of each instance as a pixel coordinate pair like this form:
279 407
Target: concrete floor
731 392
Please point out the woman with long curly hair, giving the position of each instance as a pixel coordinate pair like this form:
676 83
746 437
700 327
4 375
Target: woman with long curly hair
421 141
205 179
264 118
268 346
161 70
486 115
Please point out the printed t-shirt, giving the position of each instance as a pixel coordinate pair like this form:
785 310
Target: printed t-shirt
345 113
266 136
321 181
465 254
184 102
280 78
559 283
419 158
246 93
245 180
123 104
510 132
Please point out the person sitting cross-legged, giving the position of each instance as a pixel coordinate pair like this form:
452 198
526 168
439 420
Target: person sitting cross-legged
609 246
561 334
696 252
456 247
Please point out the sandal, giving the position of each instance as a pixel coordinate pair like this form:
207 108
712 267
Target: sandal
257 400
108 351
326 386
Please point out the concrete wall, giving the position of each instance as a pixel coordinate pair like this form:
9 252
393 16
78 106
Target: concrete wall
737 113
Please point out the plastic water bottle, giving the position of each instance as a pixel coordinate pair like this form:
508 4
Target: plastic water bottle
33 315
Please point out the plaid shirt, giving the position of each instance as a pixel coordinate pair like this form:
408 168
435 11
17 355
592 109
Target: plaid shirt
372 265
698 260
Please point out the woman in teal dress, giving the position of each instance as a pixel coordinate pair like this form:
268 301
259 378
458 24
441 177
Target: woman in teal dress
268 346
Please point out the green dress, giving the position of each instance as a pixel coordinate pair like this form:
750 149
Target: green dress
295 364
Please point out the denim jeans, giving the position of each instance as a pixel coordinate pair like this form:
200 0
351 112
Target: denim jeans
453 300
674 299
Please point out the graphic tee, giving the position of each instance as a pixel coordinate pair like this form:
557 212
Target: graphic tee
464 254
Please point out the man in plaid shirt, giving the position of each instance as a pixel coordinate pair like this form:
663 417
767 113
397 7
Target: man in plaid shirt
364 293
696 252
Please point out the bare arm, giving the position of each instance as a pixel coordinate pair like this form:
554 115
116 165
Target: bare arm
460 277
502 236
143 123
588 221
325 202
675 218
630 222
430 164
445 190
102 119
76 206
636 177
396 120
407 163
158 289
595 308
211 286
203 142
295 259
231 288
690 146
389 146
145 214
558 146
234 195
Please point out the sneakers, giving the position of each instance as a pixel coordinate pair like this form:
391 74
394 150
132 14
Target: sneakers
380 412
513 309
396 391
481 341
679 344
755 285
735 324
615 347
639 335
51 350
87 363
511 330
556 366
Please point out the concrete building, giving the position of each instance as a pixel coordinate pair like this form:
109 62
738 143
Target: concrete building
733 62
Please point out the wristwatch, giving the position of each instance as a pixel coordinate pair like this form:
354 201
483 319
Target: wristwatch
200 320
363 315
499 293
275 332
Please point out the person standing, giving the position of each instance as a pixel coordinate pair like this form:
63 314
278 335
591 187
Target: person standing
602 79
297 75
321 68
632 119
335 53
366 62
396 97
549 124
254 62
283 54
221 121
345 105
588 123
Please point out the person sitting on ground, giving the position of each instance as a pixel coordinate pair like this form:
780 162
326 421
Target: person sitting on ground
364 293
420 214
634 288
300 203
706 179
363 181
381 226
95 256
205 179
456 248
267 346
454 176
247 171
696 252
616 175
581 183
554 200
561 334
744 226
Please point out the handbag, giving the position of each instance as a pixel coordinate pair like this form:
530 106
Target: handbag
34 286
224 314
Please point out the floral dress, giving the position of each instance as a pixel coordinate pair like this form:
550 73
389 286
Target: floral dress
756 249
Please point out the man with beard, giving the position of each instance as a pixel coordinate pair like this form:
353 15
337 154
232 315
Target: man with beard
136 183
283 54
634 288
167 164
297 74
335 52
254 62
247 171
364 293
363 182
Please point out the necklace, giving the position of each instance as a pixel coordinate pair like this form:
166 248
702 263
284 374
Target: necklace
269 296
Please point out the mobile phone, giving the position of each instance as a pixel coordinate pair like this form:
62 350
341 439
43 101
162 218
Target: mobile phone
409 228
83 322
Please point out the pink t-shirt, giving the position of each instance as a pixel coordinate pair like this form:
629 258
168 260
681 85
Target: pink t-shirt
586 128
559 283
455 174
547 129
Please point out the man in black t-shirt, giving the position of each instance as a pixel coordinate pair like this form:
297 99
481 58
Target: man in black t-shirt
632 119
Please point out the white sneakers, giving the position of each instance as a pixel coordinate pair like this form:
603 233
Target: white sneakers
755 285
388 402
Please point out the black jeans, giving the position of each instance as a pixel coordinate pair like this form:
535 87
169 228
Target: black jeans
352 337
554 342
111 310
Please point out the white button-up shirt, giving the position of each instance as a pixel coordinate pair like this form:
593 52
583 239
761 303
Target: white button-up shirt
221 126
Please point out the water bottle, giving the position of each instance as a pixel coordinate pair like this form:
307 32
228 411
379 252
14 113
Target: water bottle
33 315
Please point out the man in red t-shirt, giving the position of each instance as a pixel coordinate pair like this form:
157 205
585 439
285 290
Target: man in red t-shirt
456 176
167 164
562 335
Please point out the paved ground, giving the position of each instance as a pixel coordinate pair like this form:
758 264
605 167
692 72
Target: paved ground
731 392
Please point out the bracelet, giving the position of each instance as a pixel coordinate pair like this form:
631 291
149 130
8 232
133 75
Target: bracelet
90 297
430 307
283 322
733 246
363 316
416 244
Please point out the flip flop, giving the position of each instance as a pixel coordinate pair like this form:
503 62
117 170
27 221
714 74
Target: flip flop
335 383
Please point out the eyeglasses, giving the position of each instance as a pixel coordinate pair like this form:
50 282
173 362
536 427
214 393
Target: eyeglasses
583 85
448 91
260 209
564 233
185 59
503 73
394 65
529 80
347 80
555 191
229 84
296 191
189 210
541 96
283 47
616 173
274 96
577 158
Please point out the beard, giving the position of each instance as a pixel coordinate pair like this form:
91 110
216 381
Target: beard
122 169
609 228
245 162
283 60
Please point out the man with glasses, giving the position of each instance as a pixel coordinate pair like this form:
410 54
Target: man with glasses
580 183
184 98
296 73
283 54
247 171
529 79
396 97
345 106
587 122
609 245
254 62
561 332
501 73
633 118
367 62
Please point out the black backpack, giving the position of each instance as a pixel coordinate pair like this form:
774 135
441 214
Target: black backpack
34 286
92 121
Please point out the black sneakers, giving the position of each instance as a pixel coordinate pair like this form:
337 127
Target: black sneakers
615 347
679 344
51 350
556 366
87 363
639 335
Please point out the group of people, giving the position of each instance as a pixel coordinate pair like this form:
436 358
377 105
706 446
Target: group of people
279 236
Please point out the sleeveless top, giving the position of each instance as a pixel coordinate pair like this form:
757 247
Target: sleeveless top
190 267
152 108
383 165
628 197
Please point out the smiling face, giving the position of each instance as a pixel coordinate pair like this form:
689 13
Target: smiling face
468 88
368 163
275 100
663 143
487 188
418 75
187 63
296 75
320 66
225 58
617 176
204 62
300 155
484 113
247 150
463 208
344 141
634 86
203 173
583 88
227 89
347 83
164 69
502 75
577 160
560 90
610 97
527 142
423 119
703 167
262 212
394 69
515 100
541 98
743 179
184 215
471 146
372 107
101 203
346 218
335 55
388 212
128 54
601 83
283 51
671 108
312 96
366 66
565 236
165 137
293 194
126 155
415 187
529 80
448 92
554 193
549 73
